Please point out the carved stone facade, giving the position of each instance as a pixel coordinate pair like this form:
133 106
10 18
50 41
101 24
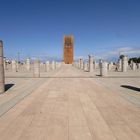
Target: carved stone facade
68 49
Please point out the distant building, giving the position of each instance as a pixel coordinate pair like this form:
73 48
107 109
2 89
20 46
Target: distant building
68 49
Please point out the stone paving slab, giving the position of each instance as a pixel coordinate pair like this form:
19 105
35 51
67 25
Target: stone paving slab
8 104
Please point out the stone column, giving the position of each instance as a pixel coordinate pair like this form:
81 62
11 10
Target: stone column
103 71
73 64
53 65
14 66
17 66
120 64
28 65
90 63
138 65
85 66
47 66
56 64
81 64
111 63
133 66
124 64
94 66
109 67
100 65
60 64
77 65
2 77
36 68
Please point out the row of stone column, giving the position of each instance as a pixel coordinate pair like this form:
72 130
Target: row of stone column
90 65
36 67
104 66
123 64
14 63
87 66
48 66
134 66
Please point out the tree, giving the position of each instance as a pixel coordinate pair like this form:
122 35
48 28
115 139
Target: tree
121 56
139 60
134 59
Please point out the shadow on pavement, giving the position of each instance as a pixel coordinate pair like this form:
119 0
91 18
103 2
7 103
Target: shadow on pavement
131 87
8 86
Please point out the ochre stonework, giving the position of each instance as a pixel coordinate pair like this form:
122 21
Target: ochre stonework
68 49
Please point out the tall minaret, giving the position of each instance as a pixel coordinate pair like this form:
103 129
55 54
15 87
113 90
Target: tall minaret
68 49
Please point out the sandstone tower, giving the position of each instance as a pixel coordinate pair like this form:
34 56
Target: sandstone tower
68 49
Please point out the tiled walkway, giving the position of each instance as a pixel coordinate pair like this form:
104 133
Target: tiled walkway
65 108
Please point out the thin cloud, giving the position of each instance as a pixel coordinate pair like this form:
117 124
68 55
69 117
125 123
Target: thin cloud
129 51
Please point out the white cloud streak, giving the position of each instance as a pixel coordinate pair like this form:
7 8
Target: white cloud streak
129 51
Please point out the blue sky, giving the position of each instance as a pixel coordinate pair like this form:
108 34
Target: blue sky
101 27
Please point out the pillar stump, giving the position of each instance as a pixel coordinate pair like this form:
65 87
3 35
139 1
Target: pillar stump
138 65
14 66
81 64
36 69
103 69
47 66
28 65
133 66
53 65
77 65
85 66
90 63
124 64
120 64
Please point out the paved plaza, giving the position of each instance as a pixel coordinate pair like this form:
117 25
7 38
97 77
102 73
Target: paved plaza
70 104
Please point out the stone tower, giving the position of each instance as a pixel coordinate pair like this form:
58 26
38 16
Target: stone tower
68 49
